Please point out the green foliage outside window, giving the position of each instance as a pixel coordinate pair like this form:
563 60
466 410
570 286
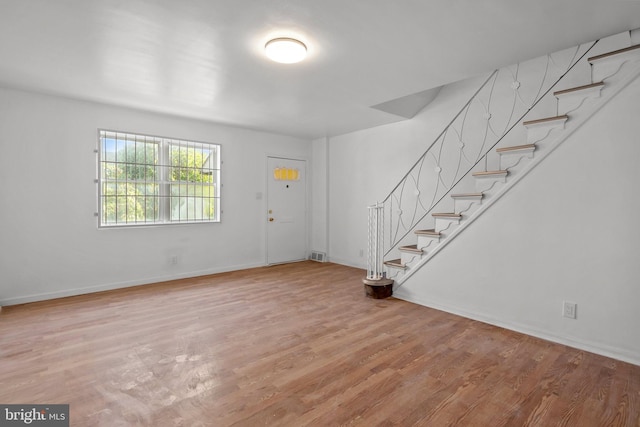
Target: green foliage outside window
135 183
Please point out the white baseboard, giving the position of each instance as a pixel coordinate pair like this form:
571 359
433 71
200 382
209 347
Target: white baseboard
592 347
119 285
346 262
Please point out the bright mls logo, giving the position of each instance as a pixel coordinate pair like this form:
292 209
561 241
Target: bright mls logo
34 415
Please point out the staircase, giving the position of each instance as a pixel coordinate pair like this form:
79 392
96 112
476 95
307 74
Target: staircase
600 71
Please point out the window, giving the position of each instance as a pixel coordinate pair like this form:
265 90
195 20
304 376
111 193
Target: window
147 180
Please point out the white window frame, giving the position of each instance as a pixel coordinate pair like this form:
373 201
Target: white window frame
164 190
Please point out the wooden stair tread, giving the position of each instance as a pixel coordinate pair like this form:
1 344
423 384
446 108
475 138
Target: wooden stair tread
411 248
577 88
446 215
465 195
516 148
488 173
430 232
546 119
613 53
395 263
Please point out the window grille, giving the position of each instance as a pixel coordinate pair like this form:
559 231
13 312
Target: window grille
148 180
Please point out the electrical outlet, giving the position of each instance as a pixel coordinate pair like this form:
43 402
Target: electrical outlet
173 260
361 253
569 309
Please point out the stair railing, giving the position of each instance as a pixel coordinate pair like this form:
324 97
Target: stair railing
487 118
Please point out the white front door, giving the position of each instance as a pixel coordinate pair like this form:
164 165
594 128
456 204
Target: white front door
286 210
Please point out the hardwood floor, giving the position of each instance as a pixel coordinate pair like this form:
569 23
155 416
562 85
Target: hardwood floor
296 345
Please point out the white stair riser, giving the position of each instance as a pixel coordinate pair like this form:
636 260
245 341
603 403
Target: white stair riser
573 100
539 131
606 67
446 224
464 205
485 183
409 257
427 242
510 159
393 273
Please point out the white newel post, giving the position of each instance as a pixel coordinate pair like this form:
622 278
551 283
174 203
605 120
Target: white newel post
375 251
376 285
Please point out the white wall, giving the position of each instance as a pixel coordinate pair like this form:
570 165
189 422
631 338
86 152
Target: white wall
49 242
568 232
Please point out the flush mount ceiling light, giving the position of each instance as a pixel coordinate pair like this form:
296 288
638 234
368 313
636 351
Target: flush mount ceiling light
285 50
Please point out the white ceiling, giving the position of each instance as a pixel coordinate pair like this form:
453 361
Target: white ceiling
204 58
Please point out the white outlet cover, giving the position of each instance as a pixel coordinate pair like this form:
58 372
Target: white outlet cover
569 309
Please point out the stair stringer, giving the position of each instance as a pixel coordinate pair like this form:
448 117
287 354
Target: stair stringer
616 84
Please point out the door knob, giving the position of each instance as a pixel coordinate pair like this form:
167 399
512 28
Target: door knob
270 219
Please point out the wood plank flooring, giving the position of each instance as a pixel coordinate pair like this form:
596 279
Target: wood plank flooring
296 345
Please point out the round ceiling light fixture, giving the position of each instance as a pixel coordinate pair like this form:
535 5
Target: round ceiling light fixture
285 50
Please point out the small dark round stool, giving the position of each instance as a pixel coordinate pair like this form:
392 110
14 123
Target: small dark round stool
378 288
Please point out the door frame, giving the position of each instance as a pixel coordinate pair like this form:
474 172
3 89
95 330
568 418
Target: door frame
265 208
